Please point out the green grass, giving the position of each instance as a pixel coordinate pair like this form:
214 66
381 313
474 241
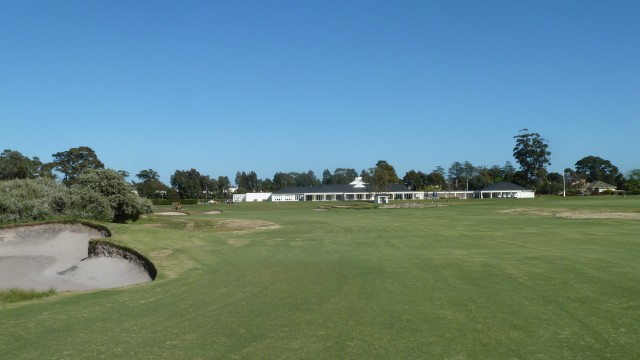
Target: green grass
464 281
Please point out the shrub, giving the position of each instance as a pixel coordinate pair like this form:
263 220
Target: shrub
30 199
111 185
87 204
99 195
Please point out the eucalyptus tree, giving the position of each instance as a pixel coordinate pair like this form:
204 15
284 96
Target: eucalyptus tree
531 152
73 162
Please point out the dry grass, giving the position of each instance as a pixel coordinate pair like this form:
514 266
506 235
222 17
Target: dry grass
574 214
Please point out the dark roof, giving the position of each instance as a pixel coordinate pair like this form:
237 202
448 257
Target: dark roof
338 188
505 186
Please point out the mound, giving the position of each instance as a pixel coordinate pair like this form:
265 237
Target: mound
56 256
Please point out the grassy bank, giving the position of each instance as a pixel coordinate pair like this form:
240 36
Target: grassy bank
474 279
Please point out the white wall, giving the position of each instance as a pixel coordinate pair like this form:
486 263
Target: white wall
251 197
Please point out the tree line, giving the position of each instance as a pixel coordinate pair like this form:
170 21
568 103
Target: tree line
531 152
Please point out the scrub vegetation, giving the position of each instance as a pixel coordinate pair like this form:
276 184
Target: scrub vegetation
477 279
101 195
18 295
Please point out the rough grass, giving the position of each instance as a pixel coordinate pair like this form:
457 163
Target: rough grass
18 295
464 281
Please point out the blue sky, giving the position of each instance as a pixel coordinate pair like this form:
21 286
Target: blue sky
226 86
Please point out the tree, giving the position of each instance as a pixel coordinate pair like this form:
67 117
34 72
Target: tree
153 189
307 179
267 185
327 178
344 175
247 182
480 178
73 162
365 175
415 180
150 186
531 152
382 176
190 184
632 184
123 173
553 184
283 180
14 165
125 205
456 173
508 171
436 180
496 174
149 174
223 185
595 168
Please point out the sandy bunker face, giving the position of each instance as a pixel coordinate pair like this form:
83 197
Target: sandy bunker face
56 256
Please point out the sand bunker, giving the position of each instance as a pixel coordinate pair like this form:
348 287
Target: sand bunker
56 256
171 213
214 212
574 214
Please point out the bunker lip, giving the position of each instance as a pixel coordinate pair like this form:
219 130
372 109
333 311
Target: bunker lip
56 255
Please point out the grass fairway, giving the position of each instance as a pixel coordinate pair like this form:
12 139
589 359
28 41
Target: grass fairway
473 280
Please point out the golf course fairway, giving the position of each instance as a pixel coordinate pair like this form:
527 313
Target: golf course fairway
544 278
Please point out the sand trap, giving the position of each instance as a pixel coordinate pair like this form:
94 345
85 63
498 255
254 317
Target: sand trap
171 213
55 256
214 212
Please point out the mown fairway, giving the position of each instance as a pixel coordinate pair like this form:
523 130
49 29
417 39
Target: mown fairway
465 281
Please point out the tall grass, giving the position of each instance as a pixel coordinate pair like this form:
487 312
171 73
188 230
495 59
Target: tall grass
17 295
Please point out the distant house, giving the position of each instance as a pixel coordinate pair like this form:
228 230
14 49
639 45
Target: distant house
599 187
356 190
505 190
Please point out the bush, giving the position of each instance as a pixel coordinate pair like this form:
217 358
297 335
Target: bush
30 200
87 204
111 185
99 195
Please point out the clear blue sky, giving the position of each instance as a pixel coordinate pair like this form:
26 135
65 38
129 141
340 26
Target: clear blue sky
226 86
